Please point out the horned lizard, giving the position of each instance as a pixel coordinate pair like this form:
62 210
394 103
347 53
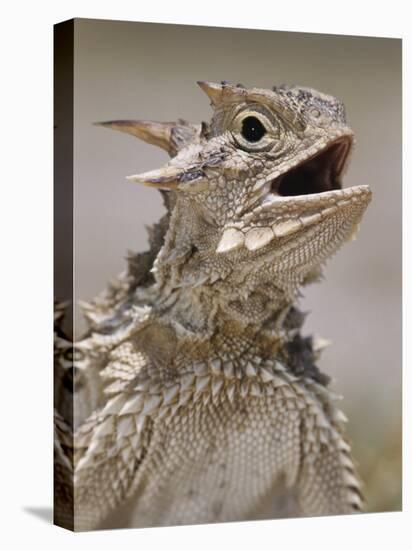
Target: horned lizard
196 397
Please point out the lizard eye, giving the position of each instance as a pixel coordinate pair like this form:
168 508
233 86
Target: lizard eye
252 129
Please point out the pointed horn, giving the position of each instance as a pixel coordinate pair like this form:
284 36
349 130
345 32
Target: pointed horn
155 133
173 177
213 91
222 92
165 178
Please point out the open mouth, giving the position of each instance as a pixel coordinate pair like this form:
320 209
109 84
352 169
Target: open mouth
317 174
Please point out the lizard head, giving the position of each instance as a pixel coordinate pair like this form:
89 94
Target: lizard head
257 192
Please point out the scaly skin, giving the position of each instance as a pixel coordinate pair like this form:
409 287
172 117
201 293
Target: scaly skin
213 407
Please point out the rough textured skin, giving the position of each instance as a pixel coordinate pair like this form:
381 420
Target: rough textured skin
197 399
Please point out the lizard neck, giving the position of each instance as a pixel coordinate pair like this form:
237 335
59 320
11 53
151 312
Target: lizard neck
209 311
203 290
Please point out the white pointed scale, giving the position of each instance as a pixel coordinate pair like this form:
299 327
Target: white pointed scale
244 389
151 404
115 404
134 440
202 382
342 445
96 445
116 387
170 393
279 367
217 383
86 306
200 368
322 422
279 383
355 499
329 211
270 390
350 479
346 461
105 428
216 366
289 377
126 426
126 454
340 416
162 412
251 370
229 369
230 392
82 440
144 385
139 421
85 462
133 405
258 237
354 233
266 375
174 408
187 380
285 228
311 219
206 398
231 239
323 436
255 389
185 397
320 344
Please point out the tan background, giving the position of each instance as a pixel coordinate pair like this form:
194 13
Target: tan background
134 70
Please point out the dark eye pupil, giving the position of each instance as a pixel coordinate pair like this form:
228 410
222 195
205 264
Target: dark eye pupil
252 129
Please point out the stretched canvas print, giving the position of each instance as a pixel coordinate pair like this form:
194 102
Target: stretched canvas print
195 302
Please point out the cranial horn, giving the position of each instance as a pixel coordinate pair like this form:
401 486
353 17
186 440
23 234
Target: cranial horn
213 91
167 177
155 133
221 92
170 177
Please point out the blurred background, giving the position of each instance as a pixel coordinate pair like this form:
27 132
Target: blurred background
126 70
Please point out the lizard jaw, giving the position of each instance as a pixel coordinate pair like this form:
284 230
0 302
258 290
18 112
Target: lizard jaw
311 185
300 197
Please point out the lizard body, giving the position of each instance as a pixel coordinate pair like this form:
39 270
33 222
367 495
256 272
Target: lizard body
213 408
